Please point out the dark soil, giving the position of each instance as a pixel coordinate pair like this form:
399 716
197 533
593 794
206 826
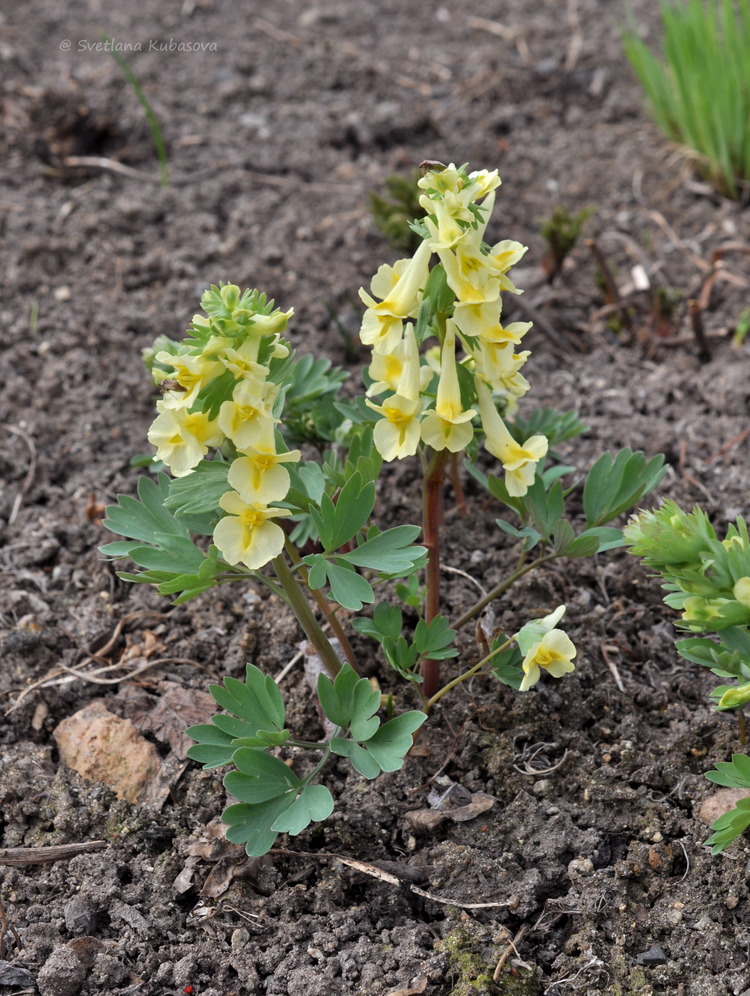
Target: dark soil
277 130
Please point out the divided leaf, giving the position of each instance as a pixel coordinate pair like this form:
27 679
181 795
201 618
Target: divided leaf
257 719
350 702
615 484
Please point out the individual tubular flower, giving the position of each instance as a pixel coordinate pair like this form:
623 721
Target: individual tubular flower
182 438
247 535
545 648
497 364
448 426
399 370
246 419
399 287
554 654
191 372
466 270
260 470
242 361
483 321
396 435
519 462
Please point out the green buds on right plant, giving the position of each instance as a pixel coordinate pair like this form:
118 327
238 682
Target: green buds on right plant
708 580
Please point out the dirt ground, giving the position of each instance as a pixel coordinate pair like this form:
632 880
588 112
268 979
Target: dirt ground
588 874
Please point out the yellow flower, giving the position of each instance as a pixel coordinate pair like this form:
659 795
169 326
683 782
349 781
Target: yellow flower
448 426
182 439
467 272
501 257
247 535
399 287
191 372
741 590
396 435
519 462
497 364
554 654
248 416
242 361
449 210
399 370
258 470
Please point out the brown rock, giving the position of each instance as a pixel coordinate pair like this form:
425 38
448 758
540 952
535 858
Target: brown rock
104 748
721 802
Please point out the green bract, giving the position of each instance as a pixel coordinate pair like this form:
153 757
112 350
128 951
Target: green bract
708 581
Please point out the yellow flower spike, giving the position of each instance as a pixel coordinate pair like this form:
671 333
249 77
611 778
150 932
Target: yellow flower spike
258 471
519 462
247 417
396 435
554 654
247 535
191 372
448 426
182 438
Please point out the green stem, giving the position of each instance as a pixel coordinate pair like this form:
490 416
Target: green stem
467 674
432 514
305 616
500 588
324 605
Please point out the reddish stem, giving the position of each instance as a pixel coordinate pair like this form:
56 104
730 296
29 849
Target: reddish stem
432 516
455 475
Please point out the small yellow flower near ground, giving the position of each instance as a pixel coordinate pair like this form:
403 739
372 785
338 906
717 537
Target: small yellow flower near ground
554 654
396 435
182 439
247 535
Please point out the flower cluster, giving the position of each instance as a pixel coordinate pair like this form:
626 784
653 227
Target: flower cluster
708 578
432 399
218 391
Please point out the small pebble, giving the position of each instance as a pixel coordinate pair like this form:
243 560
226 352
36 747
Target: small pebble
239 939
654 956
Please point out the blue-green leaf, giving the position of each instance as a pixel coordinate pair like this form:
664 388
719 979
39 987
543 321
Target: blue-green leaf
314 803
